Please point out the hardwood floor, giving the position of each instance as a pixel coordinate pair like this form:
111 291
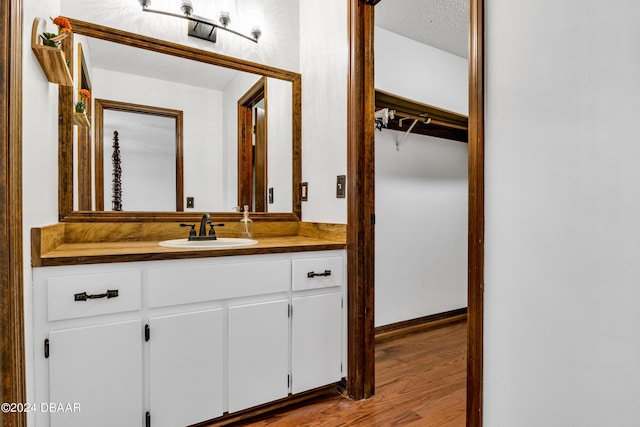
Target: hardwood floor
420 381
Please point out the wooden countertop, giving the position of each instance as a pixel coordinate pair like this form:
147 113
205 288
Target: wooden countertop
49 247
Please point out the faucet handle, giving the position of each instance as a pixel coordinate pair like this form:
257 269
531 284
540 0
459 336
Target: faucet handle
212 232
192 232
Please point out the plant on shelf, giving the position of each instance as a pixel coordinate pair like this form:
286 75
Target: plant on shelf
81 105
64 29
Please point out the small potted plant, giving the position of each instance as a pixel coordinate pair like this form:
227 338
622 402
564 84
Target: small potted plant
83 96
53 39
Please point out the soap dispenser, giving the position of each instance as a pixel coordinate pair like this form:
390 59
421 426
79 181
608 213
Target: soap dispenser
246 224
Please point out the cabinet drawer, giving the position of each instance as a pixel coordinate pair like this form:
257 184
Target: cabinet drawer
316 273
173 286
87 295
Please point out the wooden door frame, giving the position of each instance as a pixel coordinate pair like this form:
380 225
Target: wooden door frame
361 206
246 105
12 356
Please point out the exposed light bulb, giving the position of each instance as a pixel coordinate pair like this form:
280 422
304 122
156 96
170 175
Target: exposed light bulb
256 32
187 7
224 18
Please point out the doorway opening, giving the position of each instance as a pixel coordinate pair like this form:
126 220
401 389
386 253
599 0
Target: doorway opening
252 148
361 206
421 193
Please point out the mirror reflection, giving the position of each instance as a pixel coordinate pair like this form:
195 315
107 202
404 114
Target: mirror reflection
138 163
218 158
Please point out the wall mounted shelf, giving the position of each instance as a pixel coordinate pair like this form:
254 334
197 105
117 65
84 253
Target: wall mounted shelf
444 123
81 120
51 59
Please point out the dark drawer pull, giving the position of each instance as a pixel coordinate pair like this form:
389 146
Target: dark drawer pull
311 274
83 296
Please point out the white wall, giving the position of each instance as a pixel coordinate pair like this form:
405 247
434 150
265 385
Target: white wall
421 190
279 127
39 161
324 60
420 72
562 341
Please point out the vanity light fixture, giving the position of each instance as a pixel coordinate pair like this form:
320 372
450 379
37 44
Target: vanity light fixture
204 28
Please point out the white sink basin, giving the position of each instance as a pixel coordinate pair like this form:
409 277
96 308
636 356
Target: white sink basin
220 243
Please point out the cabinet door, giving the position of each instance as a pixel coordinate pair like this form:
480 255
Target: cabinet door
316 355
186 379
99 369
258 353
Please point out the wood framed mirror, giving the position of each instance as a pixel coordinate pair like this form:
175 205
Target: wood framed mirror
286 110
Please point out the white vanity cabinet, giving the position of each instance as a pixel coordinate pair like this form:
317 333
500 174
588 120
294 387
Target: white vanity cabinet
317 318
178 342
258 353
89 336
186 367
316 356
95 373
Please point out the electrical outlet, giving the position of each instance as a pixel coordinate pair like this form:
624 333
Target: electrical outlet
270 195
190 203
341 186
304 196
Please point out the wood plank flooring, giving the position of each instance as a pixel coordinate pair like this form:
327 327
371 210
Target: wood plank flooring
420 382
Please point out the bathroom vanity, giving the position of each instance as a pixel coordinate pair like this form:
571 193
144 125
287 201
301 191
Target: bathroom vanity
130 333
178 341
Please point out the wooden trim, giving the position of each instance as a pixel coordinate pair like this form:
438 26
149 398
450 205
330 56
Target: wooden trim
323 231
162 46
85 191
252 181
104 104
361 203
12 356
134 217
245 155
263 412
476 215
180 199
296 149
421 324
65 137
65 156
442 123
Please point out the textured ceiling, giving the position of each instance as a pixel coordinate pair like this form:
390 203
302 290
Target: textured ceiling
443 24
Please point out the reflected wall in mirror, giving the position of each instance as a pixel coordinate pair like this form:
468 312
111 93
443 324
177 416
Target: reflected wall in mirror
145 171
208 89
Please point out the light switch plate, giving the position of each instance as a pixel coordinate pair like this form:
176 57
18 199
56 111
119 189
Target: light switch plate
341 186
190 202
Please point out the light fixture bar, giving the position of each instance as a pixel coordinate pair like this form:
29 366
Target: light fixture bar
255 33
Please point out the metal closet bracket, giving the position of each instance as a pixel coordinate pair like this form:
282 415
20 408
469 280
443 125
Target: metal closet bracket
426 121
